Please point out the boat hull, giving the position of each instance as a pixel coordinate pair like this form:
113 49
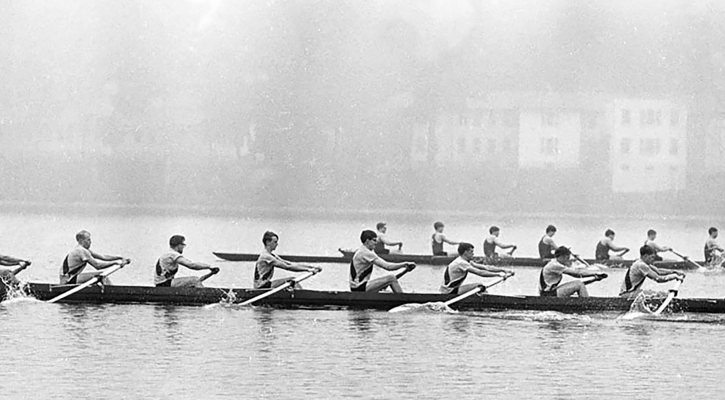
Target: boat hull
445 260
352 300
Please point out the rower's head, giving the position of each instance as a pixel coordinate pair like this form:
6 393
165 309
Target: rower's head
651 234
438 226
178 243
494 230
270 240
369 238
647 254
382 227
562 254
465 250
84 239
550 230
713 232
609 233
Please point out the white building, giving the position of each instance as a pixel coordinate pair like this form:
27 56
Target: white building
649 151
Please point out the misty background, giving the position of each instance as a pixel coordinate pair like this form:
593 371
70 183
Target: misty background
346 105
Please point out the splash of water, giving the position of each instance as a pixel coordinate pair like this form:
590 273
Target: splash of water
434 307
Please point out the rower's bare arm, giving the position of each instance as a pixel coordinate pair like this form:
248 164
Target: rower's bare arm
10 261
391 243
294 267
614 247
580 272
658 276
197 266
105 257
489 268
446 240
101 264
485 273
391 266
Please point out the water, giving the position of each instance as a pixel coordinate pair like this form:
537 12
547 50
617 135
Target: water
61 351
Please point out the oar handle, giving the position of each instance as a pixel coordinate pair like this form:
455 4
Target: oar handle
596 278
410 267
20 269
279 288
209 274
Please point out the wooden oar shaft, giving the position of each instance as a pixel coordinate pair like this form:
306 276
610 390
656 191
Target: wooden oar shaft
90 282
685 258
671 295
209 274
18 270
402 274
475 291
277 289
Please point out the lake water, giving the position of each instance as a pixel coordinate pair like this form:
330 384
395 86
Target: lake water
61 351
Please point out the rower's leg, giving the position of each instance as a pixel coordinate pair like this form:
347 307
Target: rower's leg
280 282
571 288
468 287
376 285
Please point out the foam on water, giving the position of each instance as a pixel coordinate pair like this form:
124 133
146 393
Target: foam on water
539 316
434 307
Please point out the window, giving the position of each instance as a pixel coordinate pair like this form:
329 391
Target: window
491 146
549 146
626 117
674 147
589 120
491 118
463 121
509 118
420 144
461 144
649 146
624 168
625 146
674 118
549 118
477 146
649 117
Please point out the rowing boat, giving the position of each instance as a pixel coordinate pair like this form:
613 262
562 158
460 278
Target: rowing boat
421 259
353 300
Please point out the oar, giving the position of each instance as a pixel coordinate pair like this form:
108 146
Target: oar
278 288
581 260
685 258
457 298
407 269
88 283
596 278
19 269
211 273
670 296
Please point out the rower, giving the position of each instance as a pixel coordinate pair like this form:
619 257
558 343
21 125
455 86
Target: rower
642 268
713 251
382 228
268 261
458 270
552 274
439 238
651 236
361 267
605 245
491 242
7 276
168 265
71 272
547 246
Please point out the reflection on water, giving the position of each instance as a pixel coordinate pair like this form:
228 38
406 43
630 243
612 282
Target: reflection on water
264 353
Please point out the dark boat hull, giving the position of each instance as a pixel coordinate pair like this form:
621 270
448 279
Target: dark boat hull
445 260
354 300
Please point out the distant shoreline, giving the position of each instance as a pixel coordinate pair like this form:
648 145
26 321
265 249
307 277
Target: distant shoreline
308 212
